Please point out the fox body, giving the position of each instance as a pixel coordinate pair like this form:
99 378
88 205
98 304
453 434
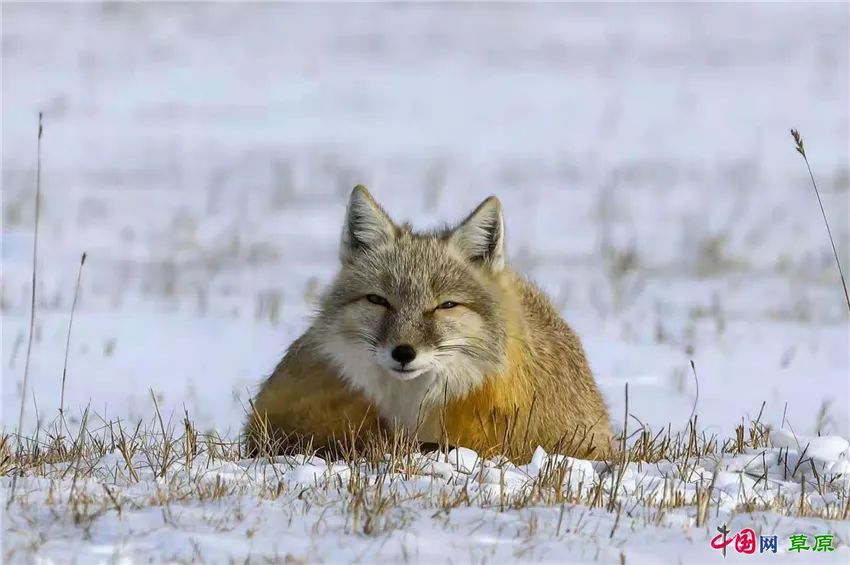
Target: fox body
432 333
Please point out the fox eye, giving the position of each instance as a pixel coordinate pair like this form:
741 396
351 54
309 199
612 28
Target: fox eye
447 305
379 300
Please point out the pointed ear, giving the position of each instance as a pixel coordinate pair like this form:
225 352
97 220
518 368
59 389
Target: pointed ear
366 224
481 237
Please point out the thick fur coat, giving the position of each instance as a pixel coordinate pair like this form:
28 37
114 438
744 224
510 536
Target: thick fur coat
432 333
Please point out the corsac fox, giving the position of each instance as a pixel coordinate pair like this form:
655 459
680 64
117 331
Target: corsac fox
431 333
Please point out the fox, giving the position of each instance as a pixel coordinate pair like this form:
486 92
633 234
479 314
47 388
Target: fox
430 333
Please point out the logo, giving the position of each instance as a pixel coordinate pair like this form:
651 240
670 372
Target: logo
745 542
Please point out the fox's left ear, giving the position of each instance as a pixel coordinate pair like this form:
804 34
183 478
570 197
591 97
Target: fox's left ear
366 224
481 236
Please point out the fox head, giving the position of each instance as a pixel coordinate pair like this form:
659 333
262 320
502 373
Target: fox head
415 311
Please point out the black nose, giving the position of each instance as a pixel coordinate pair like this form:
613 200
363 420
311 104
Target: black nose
404 354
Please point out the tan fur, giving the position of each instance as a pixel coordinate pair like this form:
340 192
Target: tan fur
304 399
546 396
536 387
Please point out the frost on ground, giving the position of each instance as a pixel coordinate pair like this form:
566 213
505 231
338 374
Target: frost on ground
201 156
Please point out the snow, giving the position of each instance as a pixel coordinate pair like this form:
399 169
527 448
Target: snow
297 506
202 154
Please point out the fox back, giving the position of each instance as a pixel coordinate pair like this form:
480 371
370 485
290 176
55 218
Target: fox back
431 333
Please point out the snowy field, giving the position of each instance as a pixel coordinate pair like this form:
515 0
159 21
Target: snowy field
201 155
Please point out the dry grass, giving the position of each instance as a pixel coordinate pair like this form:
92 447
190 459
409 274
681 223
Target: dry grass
801 149
101 459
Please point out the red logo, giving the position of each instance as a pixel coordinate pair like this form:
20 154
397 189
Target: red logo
745 540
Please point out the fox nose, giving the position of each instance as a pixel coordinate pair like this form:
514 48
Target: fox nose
403 354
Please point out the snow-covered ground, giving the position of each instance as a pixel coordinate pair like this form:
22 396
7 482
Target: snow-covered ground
451 508
202 154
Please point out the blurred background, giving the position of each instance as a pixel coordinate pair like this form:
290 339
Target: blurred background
202 155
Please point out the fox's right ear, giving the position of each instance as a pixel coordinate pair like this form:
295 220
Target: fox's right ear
366 224
481 236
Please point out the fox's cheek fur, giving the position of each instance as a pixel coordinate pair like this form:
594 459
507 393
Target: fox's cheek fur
458 324
360 323
461 334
